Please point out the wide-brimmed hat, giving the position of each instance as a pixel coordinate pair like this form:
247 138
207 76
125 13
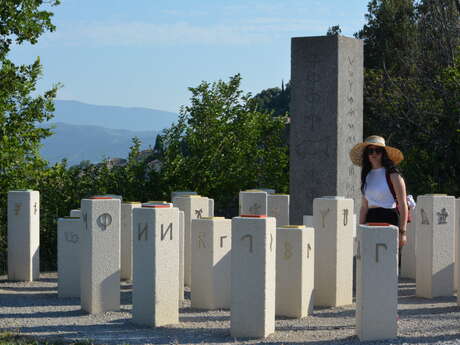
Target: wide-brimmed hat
356 153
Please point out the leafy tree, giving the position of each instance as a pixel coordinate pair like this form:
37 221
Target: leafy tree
20 163
222 144
275 100
334 30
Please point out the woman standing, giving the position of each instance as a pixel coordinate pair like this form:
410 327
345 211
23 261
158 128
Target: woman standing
378 177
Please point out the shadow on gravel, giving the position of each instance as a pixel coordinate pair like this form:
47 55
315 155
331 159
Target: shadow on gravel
36 300
429 339
419 300
317 312
422 311
48 314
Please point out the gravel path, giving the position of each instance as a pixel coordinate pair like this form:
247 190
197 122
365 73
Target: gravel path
34 309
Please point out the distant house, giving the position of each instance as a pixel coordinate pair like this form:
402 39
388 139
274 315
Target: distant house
116 162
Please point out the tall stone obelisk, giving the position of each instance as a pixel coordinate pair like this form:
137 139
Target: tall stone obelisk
326 113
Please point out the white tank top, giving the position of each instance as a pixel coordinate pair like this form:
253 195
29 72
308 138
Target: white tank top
376 191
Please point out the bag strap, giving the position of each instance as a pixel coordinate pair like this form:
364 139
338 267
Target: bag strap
390 185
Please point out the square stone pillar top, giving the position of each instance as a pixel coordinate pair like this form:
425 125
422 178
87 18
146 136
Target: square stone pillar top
254 191
113 196
24 191
69 218
212 218
132 202
157 205
332 197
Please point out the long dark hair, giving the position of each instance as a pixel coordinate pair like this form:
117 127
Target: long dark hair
387 163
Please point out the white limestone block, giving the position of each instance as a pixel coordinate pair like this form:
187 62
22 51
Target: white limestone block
156 265
355 228
253 276
126 239
435 248
278 207
308 221
194 206
211 208
75 213
100 255
295 265
408 251
181 255
253 202
68 256
23 235
268 190
377 283
211 244
333 223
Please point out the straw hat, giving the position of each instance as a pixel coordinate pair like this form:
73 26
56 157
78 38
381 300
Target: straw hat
356 153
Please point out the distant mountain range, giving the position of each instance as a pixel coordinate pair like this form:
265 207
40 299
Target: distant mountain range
92 132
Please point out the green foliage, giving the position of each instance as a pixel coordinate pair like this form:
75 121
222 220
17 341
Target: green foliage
334 30
275 100
222 144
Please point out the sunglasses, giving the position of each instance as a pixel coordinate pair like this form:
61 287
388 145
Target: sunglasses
372 150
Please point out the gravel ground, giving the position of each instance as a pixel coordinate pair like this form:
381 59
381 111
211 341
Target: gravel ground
34 309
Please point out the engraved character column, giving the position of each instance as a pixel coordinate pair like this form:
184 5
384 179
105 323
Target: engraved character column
295 253
156 265
23 235
435 248
211 244
333 225
278 207
376 283
68 256
100 255
253 202
253 276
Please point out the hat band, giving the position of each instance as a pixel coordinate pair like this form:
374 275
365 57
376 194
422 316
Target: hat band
376 141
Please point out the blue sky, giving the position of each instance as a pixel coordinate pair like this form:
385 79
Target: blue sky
146 53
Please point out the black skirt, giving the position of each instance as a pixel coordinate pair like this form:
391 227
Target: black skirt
382 215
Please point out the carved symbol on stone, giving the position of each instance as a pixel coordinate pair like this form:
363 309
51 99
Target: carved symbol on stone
104 220
351 171
35 208
85 220
142 232
201 240
71 237
271 242
377 246
345 217
308 250
442 216
287 250
358 251
324 213
199 213
168 229
425 219
222 241
254 209
17 208
250 241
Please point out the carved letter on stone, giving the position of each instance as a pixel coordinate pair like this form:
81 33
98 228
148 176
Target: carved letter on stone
254 209
442 216
35 208
201 241
199 213
142 232
71 237
168 229
287 250
271 242
324 213
104 220
17 208
377 246
85 220
425 219
345 217
308 250
222 241
250 241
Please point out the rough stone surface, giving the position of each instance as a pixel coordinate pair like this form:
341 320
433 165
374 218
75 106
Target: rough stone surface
278 207
326 119
253 202
408 251
126 240
34 309
68 258
23 235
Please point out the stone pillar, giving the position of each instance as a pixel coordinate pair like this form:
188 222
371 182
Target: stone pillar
126 239
377 283
326 120
23 235
295 253
435 248
253 276
408 251
253 202
75 213
181 255
68 256
211 244
112 196
181 193
308 221
333 225
278 207
194 206
100 255
156 265
457 248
